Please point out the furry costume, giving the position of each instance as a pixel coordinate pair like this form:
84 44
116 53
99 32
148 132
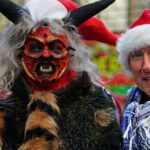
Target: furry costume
74 128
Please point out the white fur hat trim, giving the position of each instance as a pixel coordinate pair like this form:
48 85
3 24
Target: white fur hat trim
134 38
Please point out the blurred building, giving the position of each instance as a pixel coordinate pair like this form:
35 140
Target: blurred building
121 13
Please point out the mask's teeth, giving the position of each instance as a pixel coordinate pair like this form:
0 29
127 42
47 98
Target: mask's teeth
45 68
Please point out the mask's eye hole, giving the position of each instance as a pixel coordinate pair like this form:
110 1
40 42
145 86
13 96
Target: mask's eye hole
35 47
56 46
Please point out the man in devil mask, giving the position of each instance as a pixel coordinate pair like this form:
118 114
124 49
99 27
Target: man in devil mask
51 96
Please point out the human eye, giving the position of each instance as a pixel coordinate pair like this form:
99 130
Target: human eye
136 55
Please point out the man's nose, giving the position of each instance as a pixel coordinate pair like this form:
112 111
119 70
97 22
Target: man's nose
146 63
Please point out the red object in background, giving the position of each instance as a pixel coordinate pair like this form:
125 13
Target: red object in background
122 79
100 54
117 79
119 102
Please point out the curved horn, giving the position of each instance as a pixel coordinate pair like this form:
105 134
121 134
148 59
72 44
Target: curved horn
12 11
79 15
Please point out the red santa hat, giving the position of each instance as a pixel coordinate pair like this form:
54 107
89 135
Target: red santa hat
137 36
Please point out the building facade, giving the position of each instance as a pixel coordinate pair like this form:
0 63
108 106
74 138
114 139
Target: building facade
121 14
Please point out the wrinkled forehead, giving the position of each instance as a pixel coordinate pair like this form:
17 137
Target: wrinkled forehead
47 34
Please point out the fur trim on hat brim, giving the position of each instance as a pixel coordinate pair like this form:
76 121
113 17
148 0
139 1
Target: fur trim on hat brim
133 39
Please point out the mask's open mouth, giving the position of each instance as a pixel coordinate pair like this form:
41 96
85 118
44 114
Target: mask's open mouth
46 68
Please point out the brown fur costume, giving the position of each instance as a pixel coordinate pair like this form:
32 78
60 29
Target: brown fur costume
80 116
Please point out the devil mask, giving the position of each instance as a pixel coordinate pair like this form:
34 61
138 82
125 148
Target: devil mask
45 54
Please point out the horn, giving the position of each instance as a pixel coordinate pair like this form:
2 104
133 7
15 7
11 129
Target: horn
12 11
80 15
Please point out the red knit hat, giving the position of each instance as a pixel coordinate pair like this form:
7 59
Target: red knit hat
137 36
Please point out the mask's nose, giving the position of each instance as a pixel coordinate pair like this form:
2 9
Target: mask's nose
46 52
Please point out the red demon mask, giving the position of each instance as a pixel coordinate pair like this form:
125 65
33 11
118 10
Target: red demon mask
45 55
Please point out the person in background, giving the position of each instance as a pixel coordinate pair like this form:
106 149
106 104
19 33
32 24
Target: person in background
51 98
92 29
134 55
